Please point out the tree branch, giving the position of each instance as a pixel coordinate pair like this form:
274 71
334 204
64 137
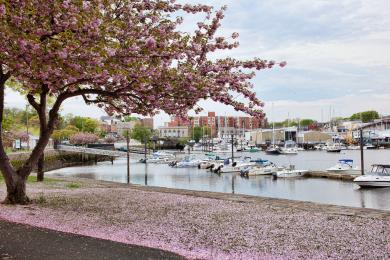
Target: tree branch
32 101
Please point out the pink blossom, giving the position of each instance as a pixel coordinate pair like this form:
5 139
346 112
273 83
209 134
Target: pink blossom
150 43
283 64
2 9
83 138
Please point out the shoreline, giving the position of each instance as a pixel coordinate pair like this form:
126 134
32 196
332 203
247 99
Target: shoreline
198 224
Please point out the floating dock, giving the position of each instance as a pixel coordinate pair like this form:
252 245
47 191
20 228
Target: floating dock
331 175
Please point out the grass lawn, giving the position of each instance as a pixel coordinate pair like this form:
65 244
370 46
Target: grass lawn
31 179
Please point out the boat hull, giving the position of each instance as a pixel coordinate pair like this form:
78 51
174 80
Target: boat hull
273 152
373 183
290 173
333 150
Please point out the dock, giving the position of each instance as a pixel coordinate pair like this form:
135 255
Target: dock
331 175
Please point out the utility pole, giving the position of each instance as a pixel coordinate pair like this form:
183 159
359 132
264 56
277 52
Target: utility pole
361 151
232 148
146 142
128 156
28 135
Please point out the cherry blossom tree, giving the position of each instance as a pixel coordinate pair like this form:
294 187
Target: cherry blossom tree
83 138
125 56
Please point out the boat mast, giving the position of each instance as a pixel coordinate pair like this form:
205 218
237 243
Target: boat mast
273 126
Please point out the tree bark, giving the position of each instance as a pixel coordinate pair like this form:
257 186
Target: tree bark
41 165
16 186
16 192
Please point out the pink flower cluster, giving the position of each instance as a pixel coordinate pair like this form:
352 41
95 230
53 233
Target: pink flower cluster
128 58
83 138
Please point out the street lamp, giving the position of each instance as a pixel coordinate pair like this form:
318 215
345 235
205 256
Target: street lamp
28 135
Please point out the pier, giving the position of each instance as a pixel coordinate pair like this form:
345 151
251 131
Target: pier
331 175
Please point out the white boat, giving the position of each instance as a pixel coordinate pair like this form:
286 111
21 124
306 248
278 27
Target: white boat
290 147
273 149
319 147
161 154
187 162
369 146
158 160
353 147
210 162
378 177
258 170
344 166
290 173
333 148
229 166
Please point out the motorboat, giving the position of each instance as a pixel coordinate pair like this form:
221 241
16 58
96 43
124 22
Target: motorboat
273 149
229 166
258 170
289 173
353 147
187 162
254 150
333 148
379 176
159 160
211 162
290 147
344 166
319 147
260 162
369 146
161 154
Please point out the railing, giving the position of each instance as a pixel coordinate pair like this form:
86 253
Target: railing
78 149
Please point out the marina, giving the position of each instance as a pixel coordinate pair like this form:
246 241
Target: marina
319 190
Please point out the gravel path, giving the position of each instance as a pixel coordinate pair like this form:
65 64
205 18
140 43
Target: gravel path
205 225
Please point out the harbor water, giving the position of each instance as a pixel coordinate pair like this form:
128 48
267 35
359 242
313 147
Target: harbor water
320 190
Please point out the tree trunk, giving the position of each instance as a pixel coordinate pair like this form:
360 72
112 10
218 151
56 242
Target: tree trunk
16 191
41 165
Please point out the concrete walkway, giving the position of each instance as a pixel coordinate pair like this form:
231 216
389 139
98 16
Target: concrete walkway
26 242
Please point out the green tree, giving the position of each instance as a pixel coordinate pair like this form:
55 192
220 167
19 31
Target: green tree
130 119
366 116
85 124
199 132
306 122
66 133
141 133
183 140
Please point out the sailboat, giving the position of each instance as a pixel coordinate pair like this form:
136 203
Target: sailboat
273 149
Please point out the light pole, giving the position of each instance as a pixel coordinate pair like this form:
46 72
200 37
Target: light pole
28 135
361 151
128 156
232 148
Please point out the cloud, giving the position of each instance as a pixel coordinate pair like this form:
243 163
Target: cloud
338 55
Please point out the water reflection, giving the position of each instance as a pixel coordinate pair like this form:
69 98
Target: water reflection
315 190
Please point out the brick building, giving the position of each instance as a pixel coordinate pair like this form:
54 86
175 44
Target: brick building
220 125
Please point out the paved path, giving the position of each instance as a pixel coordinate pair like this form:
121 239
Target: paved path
25 242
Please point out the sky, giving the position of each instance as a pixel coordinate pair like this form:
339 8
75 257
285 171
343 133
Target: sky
338 55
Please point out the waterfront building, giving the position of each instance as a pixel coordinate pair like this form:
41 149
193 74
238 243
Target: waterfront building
173 131
221 126
313 137
147 122
266 136
115 126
